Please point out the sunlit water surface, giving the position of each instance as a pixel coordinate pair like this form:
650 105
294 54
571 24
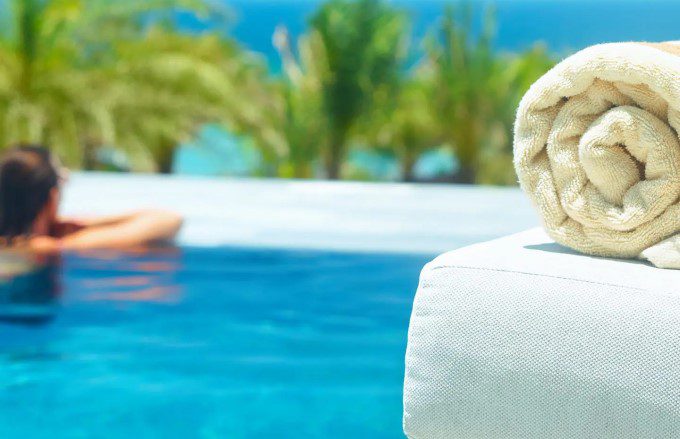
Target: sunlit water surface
221 342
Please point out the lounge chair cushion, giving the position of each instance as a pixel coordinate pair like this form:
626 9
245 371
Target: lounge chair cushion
523 338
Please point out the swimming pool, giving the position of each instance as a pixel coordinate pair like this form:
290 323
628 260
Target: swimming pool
220 342
235 333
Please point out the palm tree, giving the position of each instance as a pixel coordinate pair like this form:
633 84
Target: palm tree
521 70
305 133
475 92
166 85
361 45
44 97
468 83
77 75
407 124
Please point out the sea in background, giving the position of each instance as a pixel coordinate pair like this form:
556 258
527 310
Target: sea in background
564 26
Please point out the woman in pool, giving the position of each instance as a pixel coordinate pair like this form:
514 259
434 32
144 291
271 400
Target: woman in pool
30 189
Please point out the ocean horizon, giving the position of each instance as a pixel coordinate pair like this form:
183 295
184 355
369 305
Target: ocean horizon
563 26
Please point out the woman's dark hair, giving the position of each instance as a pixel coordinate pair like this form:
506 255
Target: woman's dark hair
27 175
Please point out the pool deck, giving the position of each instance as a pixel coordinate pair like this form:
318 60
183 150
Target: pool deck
347 216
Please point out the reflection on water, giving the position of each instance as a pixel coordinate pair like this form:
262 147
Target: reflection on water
29 287
30 284
150 294
135 275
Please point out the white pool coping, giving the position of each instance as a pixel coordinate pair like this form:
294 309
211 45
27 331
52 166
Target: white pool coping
350 216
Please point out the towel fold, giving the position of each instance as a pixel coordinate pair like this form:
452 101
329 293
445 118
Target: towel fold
597 149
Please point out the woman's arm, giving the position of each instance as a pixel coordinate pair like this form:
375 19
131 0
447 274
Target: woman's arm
139 228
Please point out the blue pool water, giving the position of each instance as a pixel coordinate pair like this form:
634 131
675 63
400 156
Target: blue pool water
207 343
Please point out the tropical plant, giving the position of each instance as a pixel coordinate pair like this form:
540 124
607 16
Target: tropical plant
407 124
299 120
44 95
522 70
166 85
475 92
361 45
80 74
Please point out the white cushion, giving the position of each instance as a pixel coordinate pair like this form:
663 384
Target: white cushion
523 338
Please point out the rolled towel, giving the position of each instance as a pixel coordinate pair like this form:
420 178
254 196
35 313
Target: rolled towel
597 149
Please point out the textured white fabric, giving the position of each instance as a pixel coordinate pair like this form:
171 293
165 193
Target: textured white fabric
524 338
597 149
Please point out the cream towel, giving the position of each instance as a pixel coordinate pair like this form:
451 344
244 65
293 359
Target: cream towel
597 150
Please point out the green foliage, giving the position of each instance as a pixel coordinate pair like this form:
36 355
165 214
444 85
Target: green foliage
361 45
475 92
406 123
83 74
299 117
43 96
79 74
350 87
164 86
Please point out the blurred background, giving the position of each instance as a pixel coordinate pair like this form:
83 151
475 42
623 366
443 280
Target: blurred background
412 90
283 308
